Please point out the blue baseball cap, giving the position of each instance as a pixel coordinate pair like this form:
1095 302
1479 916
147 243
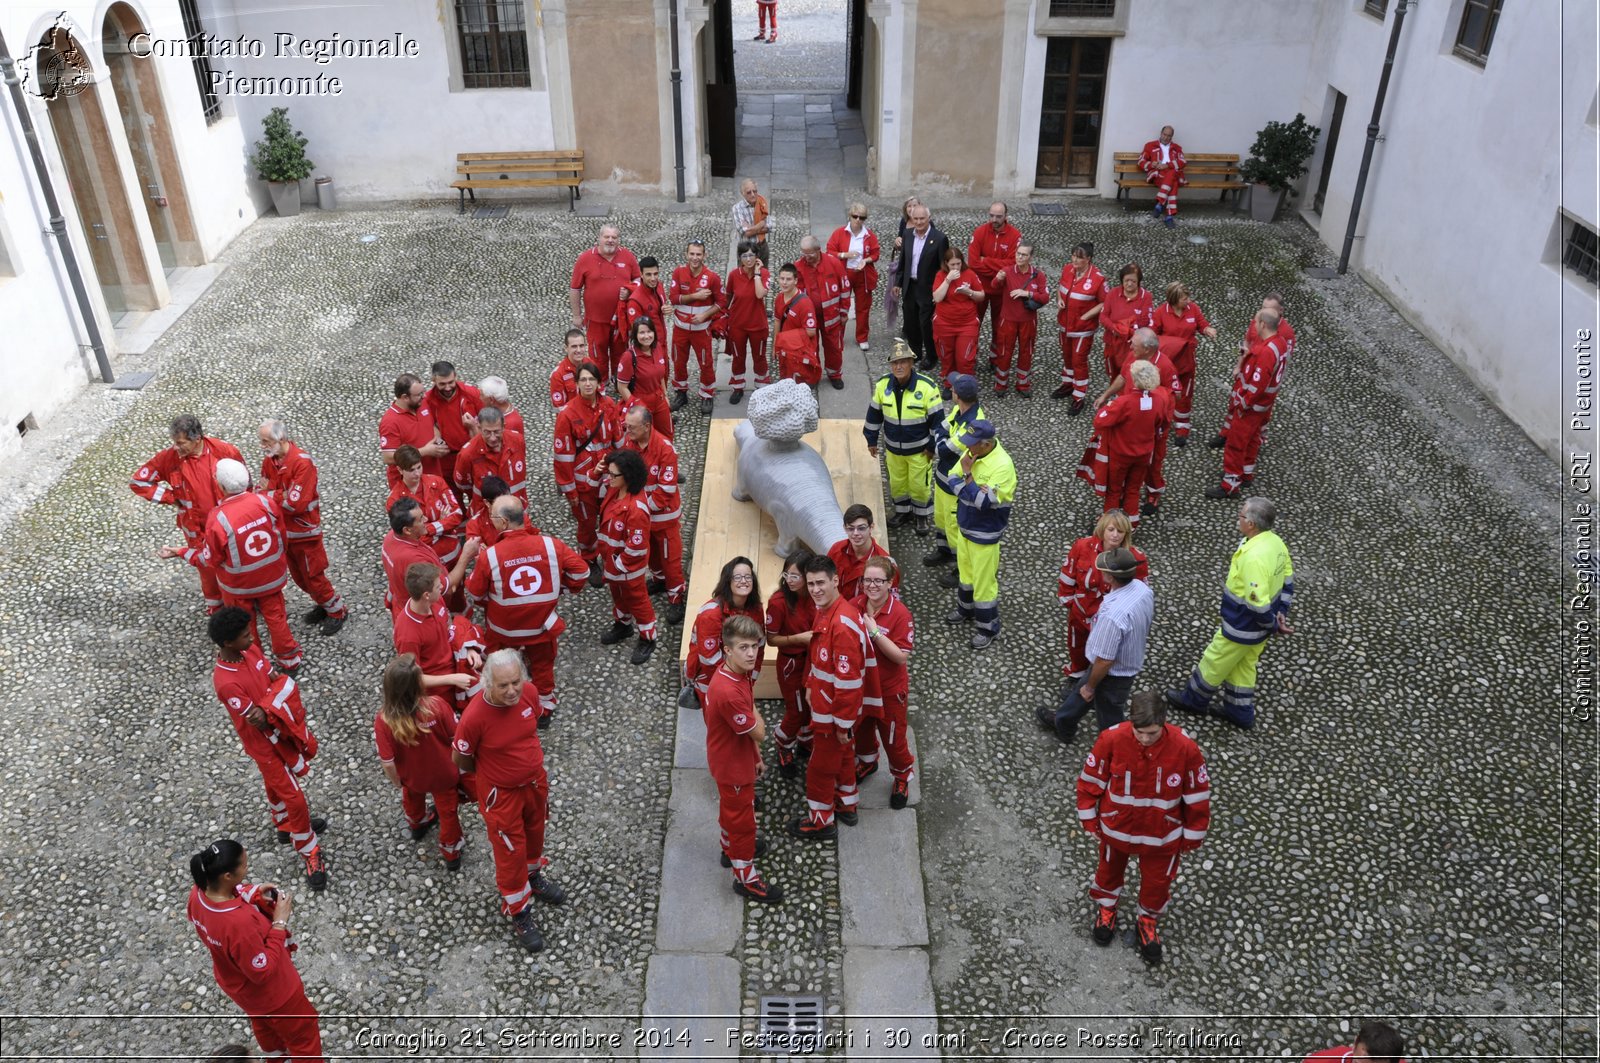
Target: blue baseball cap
964 386
978 433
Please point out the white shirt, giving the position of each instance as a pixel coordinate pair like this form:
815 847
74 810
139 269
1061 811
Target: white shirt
1166 152
917 244
858 248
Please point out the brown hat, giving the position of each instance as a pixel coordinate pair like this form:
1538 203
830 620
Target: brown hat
1118 562
901 350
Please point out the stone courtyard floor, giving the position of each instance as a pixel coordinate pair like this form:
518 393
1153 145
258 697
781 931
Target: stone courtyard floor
1408 834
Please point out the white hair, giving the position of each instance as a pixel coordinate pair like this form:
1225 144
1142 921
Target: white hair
1146 337
494 389
502 658
232 476
1146 377
809 242
275 428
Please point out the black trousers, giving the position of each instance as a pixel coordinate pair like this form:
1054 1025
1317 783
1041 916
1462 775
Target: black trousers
1110 704
916 321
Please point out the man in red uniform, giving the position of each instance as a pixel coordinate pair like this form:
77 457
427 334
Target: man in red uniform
600 280
564 377
449 650
1286 339
824 278
695 293
441 511
666 509
497 393
747 320
796 315
891 635
406 422
1159 351
1081 291
850 554
494 451
1376 1042
646 298
1128 426
1162 163
1144 791
1260 374
407 545
993 248
267 713
244 543
453 405
1021 289
498 738
290 478
734 733
185 475
836 658
520 579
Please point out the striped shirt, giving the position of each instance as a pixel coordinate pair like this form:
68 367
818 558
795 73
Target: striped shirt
744 216
1121 629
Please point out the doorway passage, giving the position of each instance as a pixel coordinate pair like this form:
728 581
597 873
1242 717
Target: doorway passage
1069 120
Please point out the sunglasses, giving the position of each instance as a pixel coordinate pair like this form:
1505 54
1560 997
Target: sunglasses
859 217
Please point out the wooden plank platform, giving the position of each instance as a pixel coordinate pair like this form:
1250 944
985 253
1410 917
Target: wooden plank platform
727 528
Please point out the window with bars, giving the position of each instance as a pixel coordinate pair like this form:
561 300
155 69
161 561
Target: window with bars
1377 8
1476 33
1083 8
210 105
1581 252
494 44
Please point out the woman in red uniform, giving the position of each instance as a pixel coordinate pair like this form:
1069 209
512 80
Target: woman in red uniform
1126 308
414 732
587 429
1081 293
892 635
1082 585
957 306
642 375
736 592
1181 317
748 328
246 928
790 616
625 553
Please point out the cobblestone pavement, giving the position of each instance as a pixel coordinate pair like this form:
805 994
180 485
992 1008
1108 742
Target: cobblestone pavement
810 52
1390 841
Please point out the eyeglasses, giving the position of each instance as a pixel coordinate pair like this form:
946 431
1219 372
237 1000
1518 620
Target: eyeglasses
868 581
743 579
859 528
859 217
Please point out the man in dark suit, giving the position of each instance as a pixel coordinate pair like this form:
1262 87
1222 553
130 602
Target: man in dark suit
921 254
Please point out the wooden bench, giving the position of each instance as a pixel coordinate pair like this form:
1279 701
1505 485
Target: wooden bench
1219 172
494 169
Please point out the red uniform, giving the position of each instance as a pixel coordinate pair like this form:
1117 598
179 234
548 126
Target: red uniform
604 283
441 644
887 689
1128 426
564 382
828 287
785 619
427 768
476 461
747 325
836 660
1164 174
244 545
513 421
251 962
796 354
522 576
1079 296
282 748
513 790
666 513
399 428
625 557
956 319
441 510
447 413
1182 327
585 433
1080 588
851 565
705 652
643 301
733 757
399 554
689 334
645 373
170 479
1260 374
1019 326
291 480
1122 317
1286 344
988 254
1152 802
862 274
1094 467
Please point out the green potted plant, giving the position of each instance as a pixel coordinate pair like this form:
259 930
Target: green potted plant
1277 160
280 160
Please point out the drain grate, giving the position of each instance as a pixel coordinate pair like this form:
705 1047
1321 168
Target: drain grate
490 213
1321 273
1048 209
790 1024
133 381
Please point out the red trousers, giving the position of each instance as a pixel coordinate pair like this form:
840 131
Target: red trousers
285 650
1156 872
1244 446
540 659
1166 183
287 803
208 573
861 292
1015 336
1155 478
767 10
833 349
1115 352
1124 478
957 348
515 818
753 344
445 802
890 729
660 412
736 816
291 1034
830 775
699 341
1075 362
630 604
308 567
1183 404
666 558
1077 643
585 505
606 345
796 725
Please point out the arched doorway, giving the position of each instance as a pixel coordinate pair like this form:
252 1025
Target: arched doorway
155 159
89 158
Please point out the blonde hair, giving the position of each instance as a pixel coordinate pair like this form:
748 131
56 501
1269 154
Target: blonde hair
406 709
856 208
1174 290
1114 518
1146 377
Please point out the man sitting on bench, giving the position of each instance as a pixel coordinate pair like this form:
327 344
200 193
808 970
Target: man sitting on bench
1162 163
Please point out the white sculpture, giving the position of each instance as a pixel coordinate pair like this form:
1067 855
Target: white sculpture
785 477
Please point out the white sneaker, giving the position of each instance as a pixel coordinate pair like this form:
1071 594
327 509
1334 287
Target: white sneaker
865 346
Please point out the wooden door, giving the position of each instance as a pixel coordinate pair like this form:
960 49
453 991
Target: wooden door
1069 120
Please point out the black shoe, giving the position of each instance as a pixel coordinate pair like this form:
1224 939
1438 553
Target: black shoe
318 825
836 383
689 698
926 364
788 763
939 555
642 652
525 932
900 520
316 616
706 406
680 399
597 575
616 633
1149 939
1104 924
982 640
956 616
1176 700
1024 393
655 586
849 817
899 794
674 613
547 719
452 864
761 850
316 872
950 578
1180 441
1062 392
1076 407
921 526
760 890
737 396
545 889
1220 491
865 769
802 827
1147 509
420 832
1218 441
331 625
